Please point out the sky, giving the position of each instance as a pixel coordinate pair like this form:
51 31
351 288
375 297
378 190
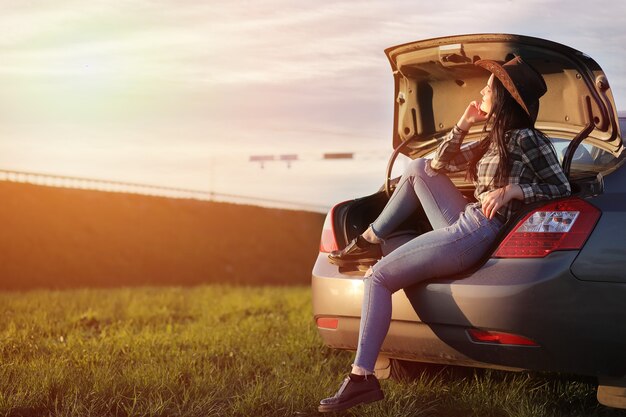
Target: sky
182 93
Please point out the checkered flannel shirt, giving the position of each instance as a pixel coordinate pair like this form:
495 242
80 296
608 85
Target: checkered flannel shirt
534 167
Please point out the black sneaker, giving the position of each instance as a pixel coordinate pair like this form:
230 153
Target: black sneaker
352 393
359 251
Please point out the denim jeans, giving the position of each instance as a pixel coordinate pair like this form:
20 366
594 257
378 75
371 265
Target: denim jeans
461 235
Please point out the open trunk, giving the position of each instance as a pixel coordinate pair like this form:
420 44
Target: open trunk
436 78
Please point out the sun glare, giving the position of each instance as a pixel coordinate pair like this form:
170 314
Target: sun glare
96 75
80 87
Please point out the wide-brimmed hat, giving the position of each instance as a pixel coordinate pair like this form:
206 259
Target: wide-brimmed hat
523 82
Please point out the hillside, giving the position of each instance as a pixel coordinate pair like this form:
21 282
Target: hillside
61 238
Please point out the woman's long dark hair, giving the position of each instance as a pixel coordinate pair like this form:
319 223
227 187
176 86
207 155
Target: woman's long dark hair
506 114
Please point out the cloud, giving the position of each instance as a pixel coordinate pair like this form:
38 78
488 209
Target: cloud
240 76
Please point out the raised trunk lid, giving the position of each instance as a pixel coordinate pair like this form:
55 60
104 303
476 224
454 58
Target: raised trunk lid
435 79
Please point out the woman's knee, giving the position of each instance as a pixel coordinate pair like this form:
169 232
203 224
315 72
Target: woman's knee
420 167
377 278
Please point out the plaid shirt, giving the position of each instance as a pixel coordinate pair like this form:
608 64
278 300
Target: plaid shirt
534 167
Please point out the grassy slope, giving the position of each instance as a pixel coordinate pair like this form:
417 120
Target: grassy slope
221 351
60 238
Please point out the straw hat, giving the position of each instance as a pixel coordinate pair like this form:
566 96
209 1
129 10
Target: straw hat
522 81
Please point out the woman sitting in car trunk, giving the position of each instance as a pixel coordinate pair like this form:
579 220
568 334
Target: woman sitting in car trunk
514 164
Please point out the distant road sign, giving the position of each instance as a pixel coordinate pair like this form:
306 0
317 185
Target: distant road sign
262 159
340 155
289 158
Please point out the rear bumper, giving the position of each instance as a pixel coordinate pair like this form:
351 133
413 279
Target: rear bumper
580 326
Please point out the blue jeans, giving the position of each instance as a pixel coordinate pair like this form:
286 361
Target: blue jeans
461 235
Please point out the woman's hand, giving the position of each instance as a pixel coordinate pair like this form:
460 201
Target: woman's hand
495 199
473 114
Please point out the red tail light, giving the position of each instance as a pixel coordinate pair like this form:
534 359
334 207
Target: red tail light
499 338
328 243
560 225
327 323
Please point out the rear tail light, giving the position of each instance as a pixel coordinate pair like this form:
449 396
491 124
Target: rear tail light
499 338
327 323
560 225
328 243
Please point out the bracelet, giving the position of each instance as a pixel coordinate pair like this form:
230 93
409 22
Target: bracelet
461 131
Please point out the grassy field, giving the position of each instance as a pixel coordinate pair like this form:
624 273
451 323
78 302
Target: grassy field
222 351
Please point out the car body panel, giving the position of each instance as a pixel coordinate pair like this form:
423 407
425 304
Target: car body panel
603 258
436 78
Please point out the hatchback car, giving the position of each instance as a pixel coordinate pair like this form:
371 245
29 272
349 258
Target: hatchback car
551 294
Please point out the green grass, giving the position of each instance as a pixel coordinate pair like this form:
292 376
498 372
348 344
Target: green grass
222 351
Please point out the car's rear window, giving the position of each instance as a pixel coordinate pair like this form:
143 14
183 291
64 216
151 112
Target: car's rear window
586 158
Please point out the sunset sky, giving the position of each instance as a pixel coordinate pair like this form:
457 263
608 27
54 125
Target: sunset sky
181 93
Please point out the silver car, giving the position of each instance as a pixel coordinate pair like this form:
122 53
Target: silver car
552 294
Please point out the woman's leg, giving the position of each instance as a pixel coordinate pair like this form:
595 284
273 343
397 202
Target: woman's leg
439 253
420 186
